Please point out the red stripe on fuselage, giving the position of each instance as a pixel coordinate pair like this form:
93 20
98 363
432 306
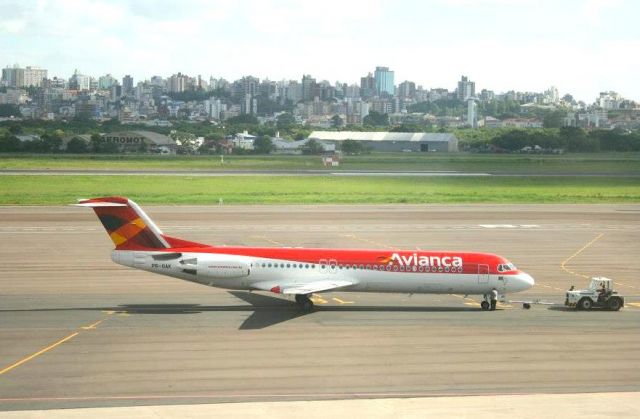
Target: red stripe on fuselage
470 261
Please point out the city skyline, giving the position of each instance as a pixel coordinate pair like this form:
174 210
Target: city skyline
581 47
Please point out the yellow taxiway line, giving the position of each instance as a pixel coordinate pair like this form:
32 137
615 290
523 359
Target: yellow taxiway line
363 240
265 238
564 262
56 344
337 300
40 352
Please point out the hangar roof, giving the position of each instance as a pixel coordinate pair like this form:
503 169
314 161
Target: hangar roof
154 137
381 136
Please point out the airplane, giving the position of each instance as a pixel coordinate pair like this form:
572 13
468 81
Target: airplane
301 272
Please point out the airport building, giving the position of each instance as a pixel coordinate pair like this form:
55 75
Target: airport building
393 141
138 140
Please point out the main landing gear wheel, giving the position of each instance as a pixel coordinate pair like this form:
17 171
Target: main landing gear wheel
485 305
304 302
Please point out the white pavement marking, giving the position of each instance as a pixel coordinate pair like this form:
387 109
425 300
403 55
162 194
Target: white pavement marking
509 225
619 405
331 228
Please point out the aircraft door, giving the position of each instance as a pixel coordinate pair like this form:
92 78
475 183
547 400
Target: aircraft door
483 274
502 283
333 266
328 266
139 260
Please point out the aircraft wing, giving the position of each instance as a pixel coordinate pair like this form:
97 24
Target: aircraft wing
303 288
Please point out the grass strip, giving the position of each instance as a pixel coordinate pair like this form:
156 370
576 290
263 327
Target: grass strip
596 163
59 190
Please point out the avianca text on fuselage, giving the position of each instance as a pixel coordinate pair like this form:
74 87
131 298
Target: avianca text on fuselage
426 261
140 244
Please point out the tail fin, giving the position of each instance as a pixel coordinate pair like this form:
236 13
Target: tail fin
128 226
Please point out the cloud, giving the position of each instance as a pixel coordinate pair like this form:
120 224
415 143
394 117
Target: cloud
515 44
12 26
593 10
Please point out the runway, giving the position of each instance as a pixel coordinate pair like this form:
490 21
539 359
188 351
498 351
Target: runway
77 330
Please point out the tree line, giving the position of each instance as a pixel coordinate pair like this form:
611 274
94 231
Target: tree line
568 139
52 134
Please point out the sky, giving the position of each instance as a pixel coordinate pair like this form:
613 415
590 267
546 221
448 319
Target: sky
582 47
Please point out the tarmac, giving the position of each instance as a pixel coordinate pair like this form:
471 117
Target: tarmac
78 331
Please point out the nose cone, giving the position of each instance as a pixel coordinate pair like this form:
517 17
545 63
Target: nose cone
523 281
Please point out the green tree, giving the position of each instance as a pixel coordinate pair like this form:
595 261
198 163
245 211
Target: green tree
242 119
15 128
263 145
77 146
186 142
554 119
336 121
51 142
10 143
376 119
351 147
513 140
407 128
312 147
285 121
614 140
576 139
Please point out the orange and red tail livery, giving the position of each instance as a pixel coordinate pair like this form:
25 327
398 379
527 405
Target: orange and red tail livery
127 225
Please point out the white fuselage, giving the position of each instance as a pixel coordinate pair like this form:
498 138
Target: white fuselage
239 272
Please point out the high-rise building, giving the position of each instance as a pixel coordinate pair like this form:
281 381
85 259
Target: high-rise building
368 86
351 91
116 91
157 81
23 77
466 88
308 86
215 107
268 89
249 85
487 95
384 81
33 76
407 90
472 113
13 76
79 81
105 82
552 95
127 85
249 105
294 91
177 83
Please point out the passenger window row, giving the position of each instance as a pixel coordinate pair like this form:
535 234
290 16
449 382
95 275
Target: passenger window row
393 268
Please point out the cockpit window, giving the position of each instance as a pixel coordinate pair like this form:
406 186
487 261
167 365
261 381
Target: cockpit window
504 267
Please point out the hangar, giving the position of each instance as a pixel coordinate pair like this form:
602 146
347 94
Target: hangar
134 140
393 141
